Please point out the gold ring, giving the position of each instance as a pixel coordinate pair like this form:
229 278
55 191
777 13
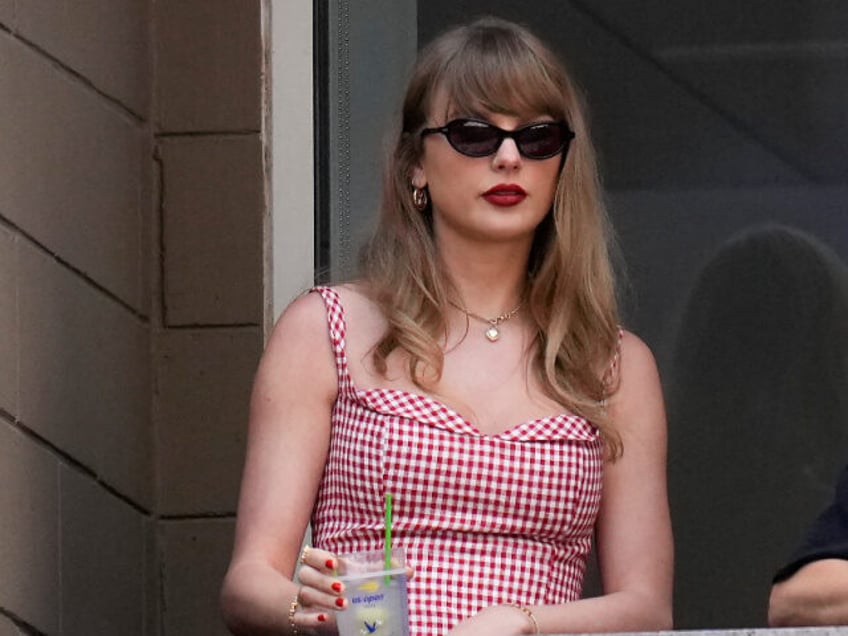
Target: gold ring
304 554
292 609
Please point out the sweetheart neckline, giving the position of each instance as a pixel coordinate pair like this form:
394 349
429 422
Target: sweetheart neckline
456 415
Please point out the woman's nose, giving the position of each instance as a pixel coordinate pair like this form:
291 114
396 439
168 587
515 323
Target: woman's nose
507 155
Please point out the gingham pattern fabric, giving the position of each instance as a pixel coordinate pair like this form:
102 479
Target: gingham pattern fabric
484 519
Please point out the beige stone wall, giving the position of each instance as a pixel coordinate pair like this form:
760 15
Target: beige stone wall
77 501
132 215
212 205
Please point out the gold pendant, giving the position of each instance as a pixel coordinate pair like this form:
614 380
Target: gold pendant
492 334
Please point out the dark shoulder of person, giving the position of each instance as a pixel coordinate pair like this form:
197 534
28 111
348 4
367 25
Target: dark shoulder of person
827 537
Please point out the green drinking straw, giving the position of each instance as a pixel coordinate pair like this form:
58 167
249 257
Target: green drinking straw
388 537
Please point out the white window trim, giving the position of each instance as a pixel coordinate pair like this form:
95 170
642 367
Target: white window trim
292 151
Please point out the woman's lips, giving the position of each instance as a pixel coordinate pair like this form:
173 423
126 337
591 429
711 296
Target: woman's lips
505 194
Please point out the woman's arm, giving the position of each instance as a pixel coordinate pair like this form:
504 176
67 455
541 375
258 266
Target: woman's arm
288 436
634 542
817 594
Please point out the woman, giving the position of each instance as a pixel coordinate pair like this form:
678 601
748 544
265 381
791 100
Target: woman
476 371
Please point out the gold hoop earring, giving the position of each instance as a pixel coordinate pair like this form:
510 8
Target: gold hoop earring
419 198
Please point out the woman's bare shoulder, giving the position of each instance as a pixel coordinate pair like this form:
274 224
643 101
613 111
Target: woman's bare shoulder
311 307
364 319
303 317
305 320
635 353
639 393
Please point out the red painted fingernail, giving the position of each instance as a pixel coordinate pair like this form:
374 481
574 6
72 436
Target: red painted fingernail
322 618
340 602
331 565
337 587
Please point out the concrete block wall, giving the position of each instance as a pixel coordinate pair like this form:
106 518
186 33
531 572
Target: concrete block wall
76 442
208 96
132 307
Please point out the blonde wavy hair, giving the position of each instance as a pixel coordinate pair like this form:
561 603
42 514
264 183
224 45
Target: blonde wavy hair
492 65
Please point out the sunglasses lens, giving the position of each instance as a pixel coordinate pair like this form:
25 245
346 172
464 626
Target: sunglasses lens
473 138
541 140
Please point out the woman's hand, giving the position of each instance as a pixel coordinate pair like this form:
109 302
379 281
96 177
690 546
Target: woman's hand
504 620
321 593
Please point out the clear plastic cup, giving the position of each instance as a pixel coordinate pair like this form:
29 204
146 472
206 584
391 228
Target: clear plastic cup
377 601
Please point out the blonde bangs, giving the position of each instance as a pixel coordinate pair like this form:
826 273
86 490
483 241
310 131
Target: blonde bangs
507 77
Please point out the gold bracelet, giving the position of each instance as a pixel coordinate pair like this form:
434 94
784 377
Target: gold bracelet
292 609
526 611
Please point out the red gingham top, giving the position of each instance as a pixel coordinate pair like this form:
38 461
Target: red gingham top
484 519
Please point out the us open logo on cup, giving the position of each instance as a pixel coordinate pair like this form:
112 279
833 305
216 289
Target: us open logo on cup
369 607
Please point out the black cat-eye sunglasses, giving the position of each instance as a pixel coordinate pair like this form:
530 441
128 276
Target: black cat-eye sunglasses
476 138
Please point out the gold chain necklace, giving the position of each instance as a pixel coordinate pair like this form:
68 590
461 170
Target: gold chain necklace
492 334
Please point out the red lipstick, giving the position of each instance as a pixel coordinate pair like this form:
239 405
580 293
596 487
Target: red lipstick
505 194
